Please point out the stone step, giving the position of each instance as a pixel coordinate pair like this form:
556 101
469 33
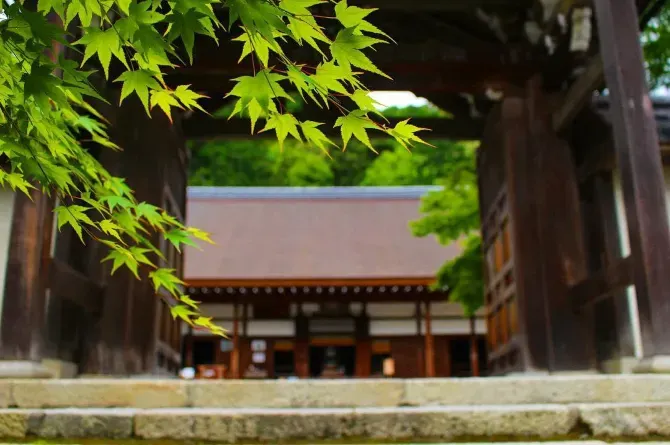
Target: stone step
129 393
484 423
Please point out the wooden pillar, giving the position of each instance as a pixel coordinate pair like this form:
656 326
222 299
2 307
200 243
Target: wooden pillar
474 349
429 344
639 160
522 182
235 353
301 349
560 251
420 350
24 301
363 344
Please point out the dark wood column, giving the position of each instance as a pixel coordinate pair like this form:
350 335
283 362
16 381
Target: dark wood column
522 180
301 348
28 257
474 349
420 349
363 344
235 353
639 160
560 250
429 346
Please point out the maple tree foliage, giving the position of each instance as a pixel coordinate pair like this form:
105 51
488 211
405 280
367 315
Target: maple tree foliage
45 111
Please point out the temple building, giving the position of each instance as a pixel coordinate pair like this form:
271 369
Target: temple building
323 282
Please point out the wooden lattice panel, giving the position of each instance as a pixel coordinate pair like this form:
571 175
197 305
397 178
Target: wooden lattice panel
501 302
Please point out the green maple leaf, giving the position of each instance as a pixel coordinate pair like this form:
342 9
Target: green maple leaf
16 181
114 201
188 98
354 17
104 44
139 82
303 83
302 24
120 256
405 134
142 12
263 87
165 100
346 50
47 5
356 124
200 234
74 216
124 5
178 237
331 77
255 43
186 26
257 16
315 136
166 278
78 8
150 213
182 312
109 227
188 301
283 125
365 102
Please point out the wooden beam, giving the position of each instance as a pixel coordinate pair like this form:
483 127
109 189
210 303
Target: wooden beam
202 127
578 95
74 286
639 160
602 284
581 91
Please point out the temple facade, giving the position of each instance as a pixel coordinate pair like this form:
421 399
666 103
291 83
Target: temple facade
323 282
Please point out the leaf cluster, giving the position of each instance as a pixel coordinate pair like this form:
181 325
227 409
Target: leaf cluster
53 53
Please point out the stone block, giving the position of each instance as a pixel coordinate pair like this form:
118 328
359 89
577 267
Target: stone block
245 394
109 423
351 393
13 423
537 389
627 420
98 393
176 423
224 425
458 422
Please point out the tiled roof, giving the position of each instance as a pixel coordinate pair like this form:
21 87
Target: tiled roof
310 233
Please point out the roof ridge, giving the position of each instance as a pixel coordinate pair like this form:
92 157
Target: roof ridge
333 192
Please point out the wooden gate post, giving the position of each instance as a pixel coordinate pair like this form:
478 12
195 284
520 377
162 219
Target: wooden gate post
643 184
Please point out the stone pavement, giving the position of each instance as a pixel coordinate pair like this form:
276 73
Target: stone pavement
436 410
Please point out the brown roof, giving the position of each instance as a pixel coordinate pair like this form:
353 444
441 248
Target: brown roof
312 233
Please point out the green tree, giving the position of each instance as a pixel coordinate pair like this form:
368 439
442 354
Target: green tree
45 110
452 214
656 45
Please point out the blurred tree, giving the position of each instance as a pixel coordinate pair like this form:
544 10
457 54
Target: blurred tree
656 44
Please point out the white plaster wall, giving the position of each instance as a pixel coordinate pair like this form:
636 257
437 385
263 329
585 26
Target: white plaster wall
6 212
454 327
392 327
381 310
216 310
270 328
